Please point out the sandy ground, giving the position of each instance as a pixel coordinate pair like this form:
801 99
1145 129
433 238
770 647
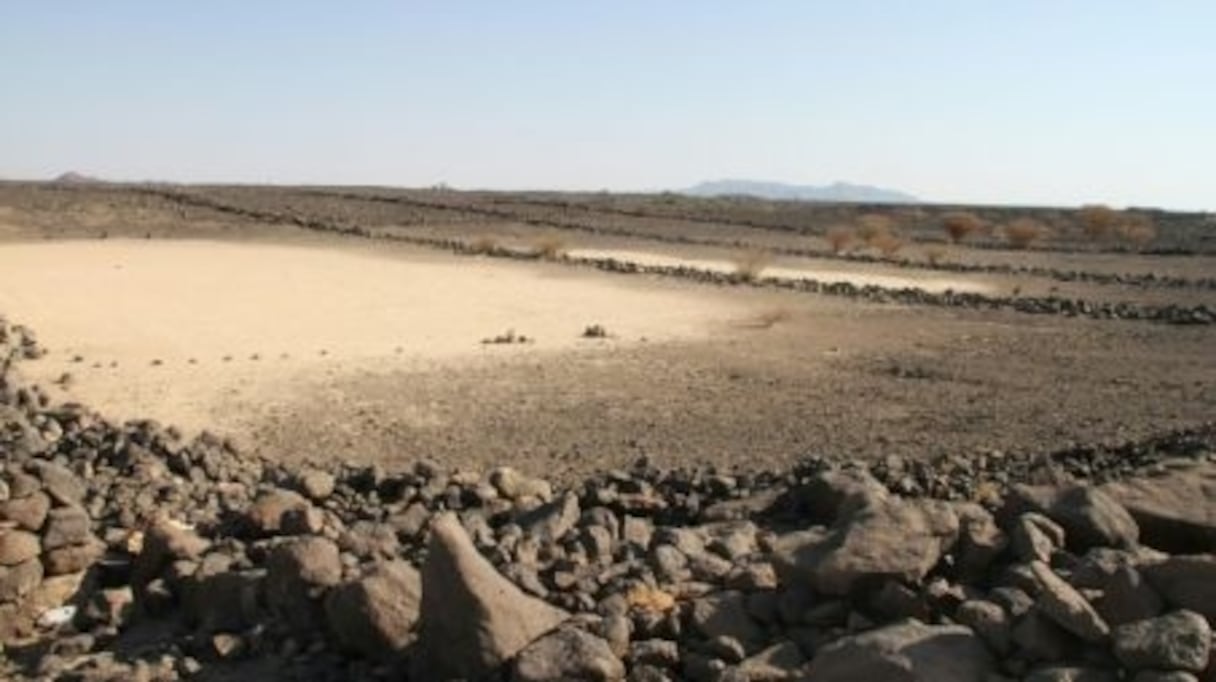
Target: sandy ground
932 283
181 330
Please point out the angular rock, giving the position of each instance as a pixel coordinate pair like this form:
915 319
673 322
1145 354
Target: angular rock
1175 512
61 484
832 495
472 618
550 522
18 546
989 621
1090 517
899 540
296 573
980 540
1066 606
18 580
73 558
1127 597
905 652
1177 641
66 526
725 615
781 661
375 615
1035 537
1187 582
317 485
164 542
267 513
567 654
513 485
27 512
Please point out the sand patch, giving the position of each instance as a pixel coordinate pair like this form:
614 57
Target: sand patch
829 275
177 330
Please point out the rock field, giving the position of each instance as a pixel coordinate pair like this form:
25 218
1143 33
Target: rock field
129 553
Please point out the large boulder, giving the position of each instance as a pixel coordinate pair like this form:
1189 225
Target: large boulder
297 573
1089 517
1186 582
473 619
375 615
891 539
1176 512
910 651
568 654
1177 641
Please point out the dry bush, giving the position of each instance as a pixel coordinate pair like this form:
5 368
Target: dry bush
1097 221
550 246
873 225
935 253
484 244
1138 229
749 264
961 224
887 244
839 238
1023 232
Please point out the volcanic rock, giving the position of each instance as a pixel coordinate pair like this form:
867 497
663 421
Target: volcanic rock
472 618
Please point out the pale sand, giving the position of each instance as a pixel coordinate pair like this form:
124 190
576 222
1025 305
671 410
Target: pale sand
122 305
827 275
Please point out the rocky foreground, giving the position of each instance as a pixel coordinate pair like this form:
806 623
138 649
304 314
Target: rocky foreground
127 552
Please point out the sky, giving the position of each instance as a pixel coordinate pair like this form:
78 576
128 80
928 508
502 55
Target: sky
1058 102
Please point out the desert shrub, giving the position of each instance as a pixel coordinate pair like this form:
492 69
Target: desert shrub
839 238
549 247
871 226
1023 232
595 331
484 244
1138 229
961 224
887 244
749 264
935 253
1097 221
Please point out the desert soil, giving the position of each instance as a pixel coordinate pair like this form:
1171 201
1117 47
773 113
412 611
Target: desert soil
307 345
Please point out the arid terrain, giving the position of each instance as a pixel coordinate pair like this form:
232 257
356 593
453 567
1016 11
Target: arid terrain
349 323
380 434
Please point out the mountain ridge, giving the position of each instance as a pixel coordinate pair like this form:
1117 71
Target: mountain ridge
837 191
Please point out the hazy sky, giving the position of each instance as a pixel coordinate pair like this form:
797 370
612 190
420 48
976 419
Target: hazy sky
1051 101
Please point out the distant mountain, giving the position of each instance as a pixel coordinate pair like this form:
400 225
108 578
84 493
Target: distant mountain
72 177
837 191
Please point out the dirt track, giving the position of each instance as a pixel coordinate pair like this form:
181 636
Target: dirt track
728 375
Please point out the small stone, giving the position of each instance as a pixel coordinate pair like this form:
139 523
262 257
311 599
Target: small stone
567 654
316 484
725 615
1068 608
1035 537
265 516
989 621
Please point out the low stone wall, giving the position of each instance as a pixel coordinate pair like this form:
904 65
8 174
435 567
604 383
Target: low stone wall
127 552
